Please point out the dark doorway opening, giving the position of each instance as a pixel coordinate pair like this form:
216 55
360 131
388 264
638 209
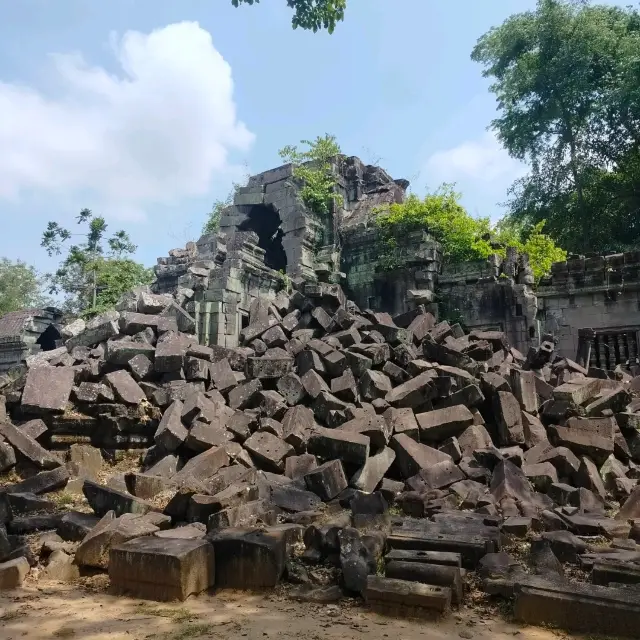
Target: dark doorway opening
265 221
48 337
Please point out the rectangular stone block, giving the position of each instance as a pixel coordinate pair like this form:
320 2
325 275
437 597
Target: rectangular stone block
406 598
578 607
162 569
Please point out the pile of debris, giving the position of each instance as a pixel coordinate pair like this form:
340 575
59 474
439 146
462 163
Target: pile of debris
400 451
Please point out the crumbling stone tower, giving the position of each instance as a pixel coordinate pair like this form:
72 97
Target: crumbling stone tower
269 236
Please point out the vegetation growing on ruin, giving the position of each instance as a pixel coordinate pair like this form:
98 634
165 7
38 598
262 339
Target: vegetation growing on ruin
566 78
462 236
93 275
314 15
313 167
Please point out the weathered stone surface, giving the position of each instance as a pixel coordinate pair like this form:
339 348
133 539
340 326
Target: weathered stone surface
401 596
371 474
242 396
125 387
47 389
411 456
577 607
414 392
110 532
28 448
171 433
336 444
7 457
509 419
74 526
248 559
269 450
102 499
327 480
297 425
162 568
403 421
13 573
202 466
441 424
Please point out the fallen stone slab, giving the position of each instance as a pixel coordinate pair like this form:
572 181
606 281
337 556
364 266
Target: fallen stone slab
248 515
102 499
400 597
171 433
370 475
125 387
74 525
109 532
28 448
577 607
432 574
47 390
30 524
60 567
162 569
441 424
43 482
411 456
13 573
269 450
429 557
330 444
509 419
327 480
94 334
413 393
248 559
202 466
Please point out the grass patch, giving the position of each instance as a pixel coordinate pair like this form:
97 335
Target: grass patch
62 499
181 614
189 631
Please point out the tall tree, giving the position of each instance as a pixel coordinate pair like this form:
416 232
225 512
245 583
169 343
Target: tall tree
93 275
313 15
20 287
566 80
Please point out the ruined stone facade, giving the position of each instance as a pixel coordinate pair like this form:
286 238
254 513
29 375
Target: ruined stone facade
27 332
600 293
269 237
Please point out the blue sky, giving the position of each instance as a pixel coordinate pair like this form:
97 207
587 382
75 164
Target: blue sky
147 110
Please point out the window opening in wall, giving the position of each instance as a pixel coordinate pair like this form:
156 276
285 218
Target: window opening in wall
265 221
612 348
244 321
371 302
532 332
518 309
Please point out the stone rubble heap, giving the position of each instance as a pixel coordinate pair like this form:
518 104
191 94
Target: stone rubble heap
403 453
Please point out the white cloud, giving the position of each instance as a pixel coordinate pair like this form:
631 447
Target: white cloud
480 161
159 131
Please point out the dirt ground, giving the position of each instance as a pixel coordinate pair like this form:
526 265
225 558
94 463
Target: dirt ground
51 610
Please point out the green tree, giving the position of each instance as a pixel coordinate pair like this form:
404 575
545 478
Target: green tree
314 168
92 276
20 287
566 80
313 15
462 236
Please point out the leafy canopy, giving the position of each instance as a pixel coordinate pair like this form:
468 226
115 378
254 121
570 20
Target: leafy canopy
567 81
313 15
93 275
462 236
313 167
20 287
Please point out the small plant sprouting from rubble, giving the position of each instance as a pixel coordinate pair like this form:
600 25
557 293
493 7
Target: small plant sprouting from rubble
313 167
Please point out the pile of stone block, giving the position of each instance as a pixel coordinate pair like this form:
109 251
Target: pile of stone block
400 452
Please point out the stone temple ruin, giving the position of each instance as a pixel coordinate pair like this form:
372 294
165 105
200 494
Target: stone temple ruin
295 411
269 237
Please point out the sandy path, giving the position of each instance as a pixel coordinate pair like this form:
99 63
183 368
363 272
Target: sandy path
58 611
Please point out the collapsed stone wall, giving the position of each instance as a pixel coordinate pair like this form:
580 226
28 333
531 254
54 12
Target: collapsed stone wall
262 461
